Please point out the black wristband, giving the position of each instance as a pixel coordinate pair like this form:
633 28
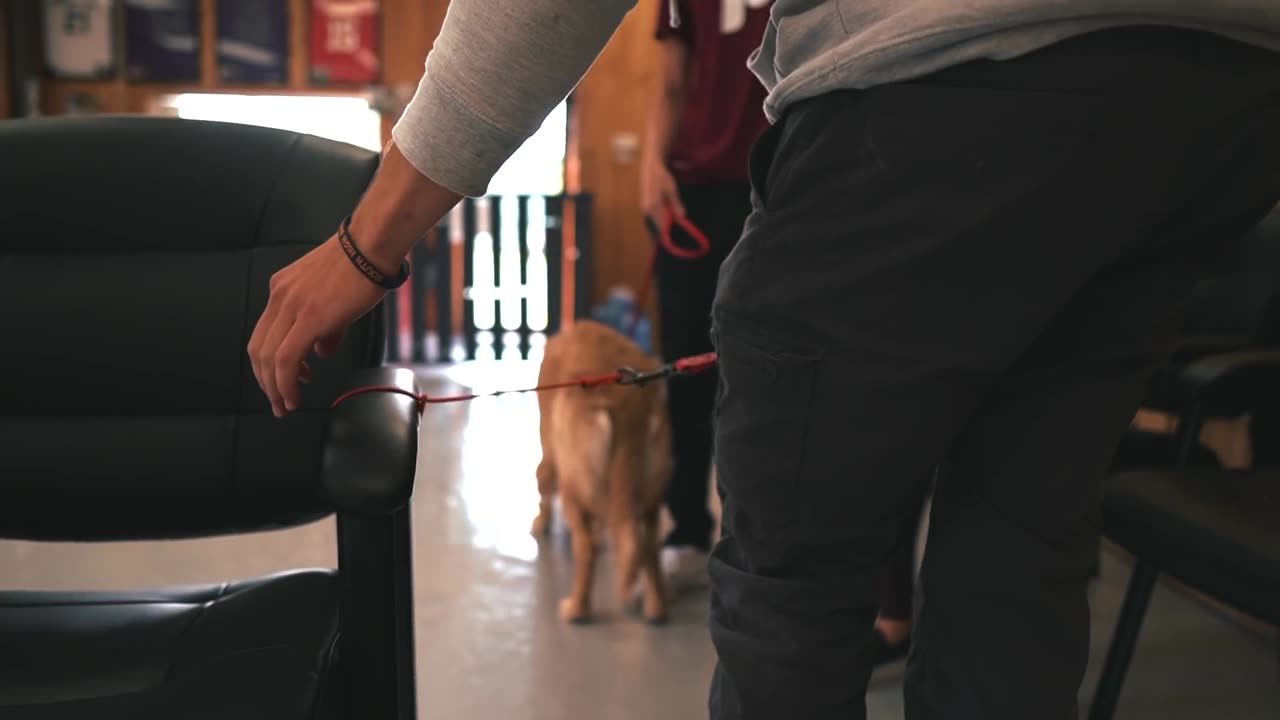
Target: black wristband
362 263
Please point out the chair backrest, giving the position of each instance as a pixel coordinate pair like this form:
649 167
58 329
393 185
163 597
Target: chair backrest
1235 301
135 255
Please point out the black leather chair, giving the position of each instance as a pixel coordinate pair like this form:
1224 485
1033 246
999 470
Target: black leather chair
135 256
1215 531
1168 501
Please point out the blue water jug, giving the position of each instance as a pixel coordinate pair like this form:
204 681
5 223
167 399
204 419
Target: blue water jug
618 311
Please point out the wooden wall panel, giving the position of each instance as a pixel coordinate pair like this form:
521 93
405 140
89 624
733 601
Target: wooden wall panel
409 29
613 101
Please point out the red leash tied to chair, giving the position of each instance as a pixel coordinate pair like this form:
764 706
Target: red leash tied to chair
663 241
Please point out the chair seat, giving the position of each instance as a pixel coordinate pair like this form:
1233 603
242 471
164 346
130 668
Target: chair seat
237 651
1215 531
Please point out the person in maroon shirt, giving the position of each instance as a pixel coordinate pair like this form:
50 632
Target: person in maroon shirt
706 117
707 114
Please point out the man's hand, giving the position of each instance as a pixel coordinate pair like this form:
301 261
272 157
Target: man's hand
312 302
658 190
316 298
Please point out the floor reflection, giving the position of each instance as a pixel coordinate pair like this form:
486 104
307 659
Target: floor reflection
500 451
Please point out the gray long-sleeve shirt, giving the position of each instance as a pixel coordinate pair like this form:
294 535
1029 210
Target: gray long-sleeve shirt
499 67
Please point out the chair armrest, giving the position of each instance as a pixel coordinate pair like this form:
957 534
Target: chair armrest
1227 384
371 446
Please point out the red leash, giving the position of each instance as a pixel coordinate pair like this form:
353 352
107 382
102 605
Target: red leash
624 376
664 241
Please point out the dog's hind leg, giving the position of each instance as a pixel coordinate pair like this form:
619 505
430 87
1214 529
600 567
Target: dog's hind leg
628 546
655 592
576 607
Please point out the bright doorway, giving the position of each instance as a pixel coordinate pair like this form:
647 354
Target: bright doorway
345 119
536 168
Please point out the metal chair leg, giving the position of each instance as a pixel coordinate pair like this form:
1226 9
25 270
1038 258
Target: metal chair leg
1128 626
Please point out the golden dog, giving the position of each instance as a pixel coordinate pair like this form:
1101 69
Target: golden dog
607 452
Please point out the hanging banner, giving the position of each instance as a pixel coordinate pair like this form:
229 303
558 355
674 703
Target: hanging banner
79 38
162 40
344 42
253 41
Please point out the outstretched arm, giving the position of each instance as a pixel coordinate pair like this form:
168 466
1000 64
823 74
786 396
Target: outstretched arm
497 70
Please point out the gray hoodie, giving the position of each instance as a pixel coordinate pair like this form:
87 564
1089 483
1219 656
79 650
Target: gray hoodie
499 67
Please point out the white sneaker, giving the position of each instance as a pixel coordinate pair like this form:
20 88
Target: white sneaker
683 569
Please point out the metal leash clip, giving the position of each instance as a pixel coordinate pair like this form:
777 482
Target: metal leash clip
631 376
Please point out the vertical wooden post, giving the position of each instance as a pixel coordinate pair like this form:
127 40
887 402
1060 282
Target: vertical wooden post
209 75
299 44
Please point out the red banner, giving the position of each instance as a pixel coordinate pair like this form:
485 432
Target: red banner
344 42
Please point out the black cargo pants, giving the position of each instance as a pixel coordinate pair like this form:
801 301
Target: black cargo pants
973 272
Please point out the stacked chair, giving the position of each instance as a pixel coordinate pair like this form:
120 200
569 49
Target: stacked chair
1169 503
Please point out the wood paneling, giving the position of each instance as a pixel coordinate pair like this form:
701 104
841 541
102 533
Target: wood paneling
612 101
409 29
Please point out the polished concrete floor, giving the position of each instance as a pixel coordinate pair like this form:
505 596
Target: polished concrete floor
491 646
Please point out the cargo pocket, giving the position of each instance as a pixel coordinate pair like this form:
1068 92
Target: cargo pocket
762 417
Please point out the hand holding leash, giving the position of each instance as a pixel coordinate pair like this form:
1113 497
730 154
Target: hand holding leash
664 241
662 235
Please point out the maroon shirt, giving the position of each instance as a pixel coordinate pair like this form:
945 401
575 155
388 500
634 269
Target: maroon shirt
724 102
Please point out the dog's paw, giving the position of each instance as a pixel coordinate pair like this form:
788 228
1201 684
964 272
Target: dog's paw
655 608
575 612
656 617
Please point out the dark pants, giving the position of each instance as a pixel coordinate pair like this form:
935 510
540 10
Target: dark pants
973 273
686 289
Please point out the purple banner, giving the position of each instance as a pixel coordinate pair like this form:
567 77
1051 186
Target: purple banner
253 41
162 39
